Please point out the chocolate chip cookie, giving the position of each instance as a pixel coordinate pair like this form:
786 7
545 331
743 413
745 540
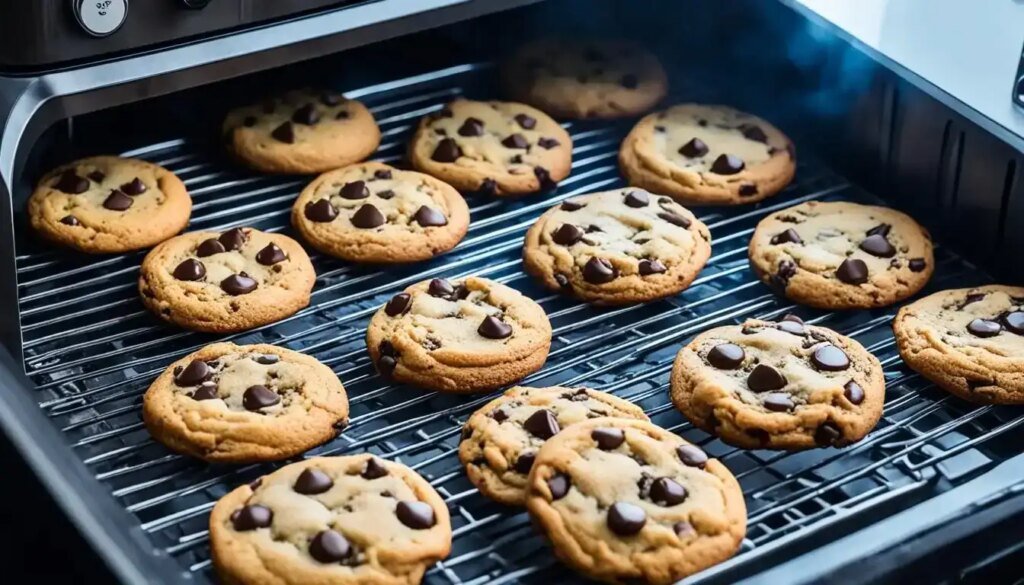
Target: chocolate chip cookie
625 501
968 341
370 212
497 148
344 520
841 255
459 336
784 385
707 155
500 440
617 247
245 403
108 204
302 131
585 79
226 282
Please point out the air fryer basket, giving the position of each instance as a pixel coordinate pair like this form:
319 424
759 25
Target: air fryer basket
91 349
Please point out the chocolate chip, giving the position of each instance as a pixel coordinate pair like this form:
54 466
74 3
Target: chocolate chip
499 414
683 528
629 81
398 304
727 164
515 141
827 434
546 182
271 254
251 517
695 148
267 359
567 235
233 239
626 519
692 456
599 271
382 174
331 99
284 133
493 328
427 217
190 270
355 190
984 328
321 211
748 190
472 127
972 298
787 237
306 115
70 220
542 424
525 462
259 396
134 187
238 284
881 229
852 271
877 245
572 206
256 483
675 219
373 469
666 491
637 199
342 115
558 485
329 547
547 143
830 358
368 217
608 438
488 187
447 151
117 201
415 515
387 364
764 378
1014 322
69 182
853 392
209 248
726 356
440 287
97 176
386 194
918 265
194 374
778 402
525 121
648 267
786 271
312 481
755 133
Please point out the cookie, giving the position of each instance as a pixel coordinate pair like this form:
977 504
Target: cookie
500 440
585 79
459 336
625 501
784 385
617 247
707 155
108 204
968 341
303 131
841 255
371 212
245 403
226 282
342 520
497 148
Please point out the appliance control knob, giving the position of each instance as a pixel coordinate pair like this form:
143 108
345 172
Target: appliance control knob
100 18
195 3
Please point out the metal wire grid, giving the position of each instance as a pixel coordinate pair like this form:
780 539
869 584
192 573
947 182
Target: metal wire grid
92 350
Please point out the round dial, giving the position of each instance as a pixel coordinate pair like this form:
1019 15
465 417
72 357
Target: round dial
100 18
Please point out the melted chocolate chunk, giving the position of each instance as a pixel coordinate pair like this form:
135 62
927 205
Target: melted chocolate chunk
727 164
567 235
233 239
194 374
259 396
134 187
320 211
271 254
329 546
548 143
649 267
984 328
827 434
525 462
267 359
787 237
373 469
447 151
692 456
542 424
562 280
675 219
695 148
778 402
626 519
307 115
238 284
726 356
117 201
666 491
355 190
209 248
764 378
472 127
636 199
284 133
853 392
382 174
415 515
190 270
312 481
558 485
488 187
748 190
368 217
830 358
918 265
70 220
544 176
881 229
877 245
572 206
398 304
499 414
97 176
852 271
780 280
1014 322
599 271
251 517
208 391
70 183
493 328
755 133
526 122
515 141
428 217
608 438
441 288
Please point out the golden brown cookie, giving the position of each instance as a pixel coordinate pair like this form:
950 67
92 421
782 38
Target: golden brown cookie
225 282
585 78
340 520
625 501
370 212
245 403
707 155
303 131
108 204
498 148
459 336
782 385
500 440
969 341
617 247
841 255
